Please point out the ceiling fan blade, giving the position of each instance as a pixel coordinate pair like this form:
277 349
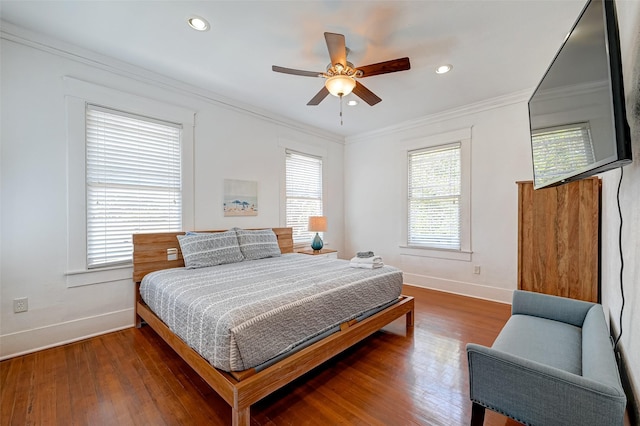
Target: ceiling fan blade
319 96
386 67
365 94
337 48
296 72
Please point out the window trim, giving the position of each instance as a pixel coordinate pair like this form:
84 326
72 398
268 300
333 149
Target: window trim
77 94
462 136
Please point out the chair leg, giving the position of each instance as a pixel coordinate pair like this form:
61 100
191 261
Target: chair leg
477 415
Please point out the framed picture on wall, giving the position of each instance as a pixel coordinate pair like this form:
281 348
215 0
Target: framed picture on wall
240 197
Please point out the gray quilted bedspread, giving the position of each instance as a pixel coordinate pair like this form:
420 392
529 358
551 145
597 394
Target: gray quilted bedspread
240 315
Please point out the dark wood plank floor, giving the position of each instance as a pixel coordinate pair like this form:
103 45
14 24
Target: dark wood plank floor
132 377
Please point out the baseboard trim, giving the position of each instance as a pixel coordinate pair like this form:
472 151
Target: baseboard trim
478 291
37 339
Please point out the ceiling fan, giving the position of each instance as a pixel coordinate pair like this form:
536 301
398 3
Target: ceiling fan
341 75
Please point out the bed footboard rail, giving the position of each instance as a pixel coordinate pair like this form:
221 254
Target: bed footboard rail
241 394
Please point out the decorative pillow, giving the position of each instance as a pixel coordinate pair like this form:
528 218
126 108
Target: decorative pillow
258 244
200 250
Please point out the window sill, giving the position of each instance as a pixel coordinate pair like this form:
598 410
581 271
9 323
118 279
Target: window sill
461 255
98 276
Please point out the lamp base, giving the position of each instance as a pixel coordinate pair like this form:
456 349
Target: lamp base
317 244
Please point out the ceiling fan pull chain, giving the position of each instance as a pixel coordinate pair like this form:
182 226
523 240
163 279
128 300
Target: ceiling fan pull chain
341 109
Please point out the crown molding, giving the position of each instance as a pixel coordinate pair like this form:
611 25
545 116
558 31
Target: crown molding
450 114
75 53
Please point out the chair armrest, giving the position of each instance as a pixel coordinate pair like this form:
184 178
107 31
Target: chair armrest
534 393
598 358
570 311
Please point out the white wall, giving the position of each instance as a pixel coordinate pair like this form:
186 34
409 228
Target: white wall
500 156
629 24
231 142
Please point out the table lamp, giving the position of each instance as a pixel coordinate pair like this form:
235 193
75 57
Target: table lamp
317 224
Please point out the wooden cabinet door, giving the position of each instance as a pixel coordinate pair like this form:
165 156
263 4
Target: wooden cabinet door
558 239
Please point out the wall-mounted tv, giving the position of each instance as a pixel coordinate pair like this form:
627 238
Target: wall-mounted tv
577 112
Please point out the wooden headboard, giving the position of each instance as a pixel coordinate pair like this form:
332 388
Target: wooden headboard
150 250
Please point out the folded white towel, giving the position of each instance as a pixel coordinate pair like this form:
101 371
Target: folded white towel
366 265
367 260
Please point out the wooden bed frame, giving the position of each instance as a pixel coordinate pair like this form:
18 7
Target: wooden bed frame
241 389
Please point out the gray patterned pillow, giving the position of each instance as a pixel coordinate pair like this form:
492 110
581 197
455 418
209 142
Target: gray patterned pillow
258 244
200 250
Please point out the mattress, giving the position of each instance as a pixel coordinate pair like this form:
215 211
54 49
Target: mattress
241 315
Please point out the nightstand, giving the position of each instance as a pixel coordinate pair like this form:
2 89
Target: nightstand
325 252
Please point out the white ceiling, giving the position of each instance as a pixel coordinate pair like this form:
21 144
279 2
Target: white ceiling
496 48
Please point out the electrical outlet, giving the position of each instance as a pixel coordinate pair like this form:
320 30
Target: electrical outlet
476 269
172 254
20 305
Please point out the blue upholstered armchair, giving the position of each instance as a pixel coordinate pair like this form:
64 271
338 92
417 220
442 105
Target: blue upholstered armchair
552 364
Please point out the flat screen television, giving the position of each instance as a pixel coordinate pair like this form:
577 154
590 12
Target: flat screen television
577 113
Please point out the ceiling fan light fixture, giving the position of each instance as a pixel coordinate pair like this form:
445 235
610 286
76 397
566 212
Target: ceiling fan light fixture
198 23
340 85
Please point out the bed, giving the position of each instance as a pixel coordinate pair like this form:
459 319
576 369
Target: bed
242 380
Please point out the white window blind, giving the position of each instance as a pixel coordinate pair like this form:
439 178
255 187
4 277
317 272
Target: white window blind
303 193
434 197
559 151
133 182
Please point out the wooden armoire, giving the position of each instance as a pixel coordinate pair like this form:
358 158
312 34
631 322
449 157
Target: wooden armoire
559 239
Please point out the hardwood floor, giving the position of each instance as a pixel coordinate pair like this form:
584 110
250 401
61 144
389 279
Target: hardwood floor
132 377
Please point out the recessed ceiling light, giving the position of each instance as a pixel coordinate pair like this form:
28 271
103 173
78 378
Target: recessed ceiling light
442 69
352 102
198 23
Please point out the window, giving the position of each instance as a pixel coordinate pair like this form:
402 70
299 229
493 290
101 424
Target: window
133 182
560 150
434 197
303 193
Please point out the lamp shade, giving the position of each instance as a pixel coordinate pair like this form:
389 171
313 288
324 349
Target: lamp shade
317 223
340 85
